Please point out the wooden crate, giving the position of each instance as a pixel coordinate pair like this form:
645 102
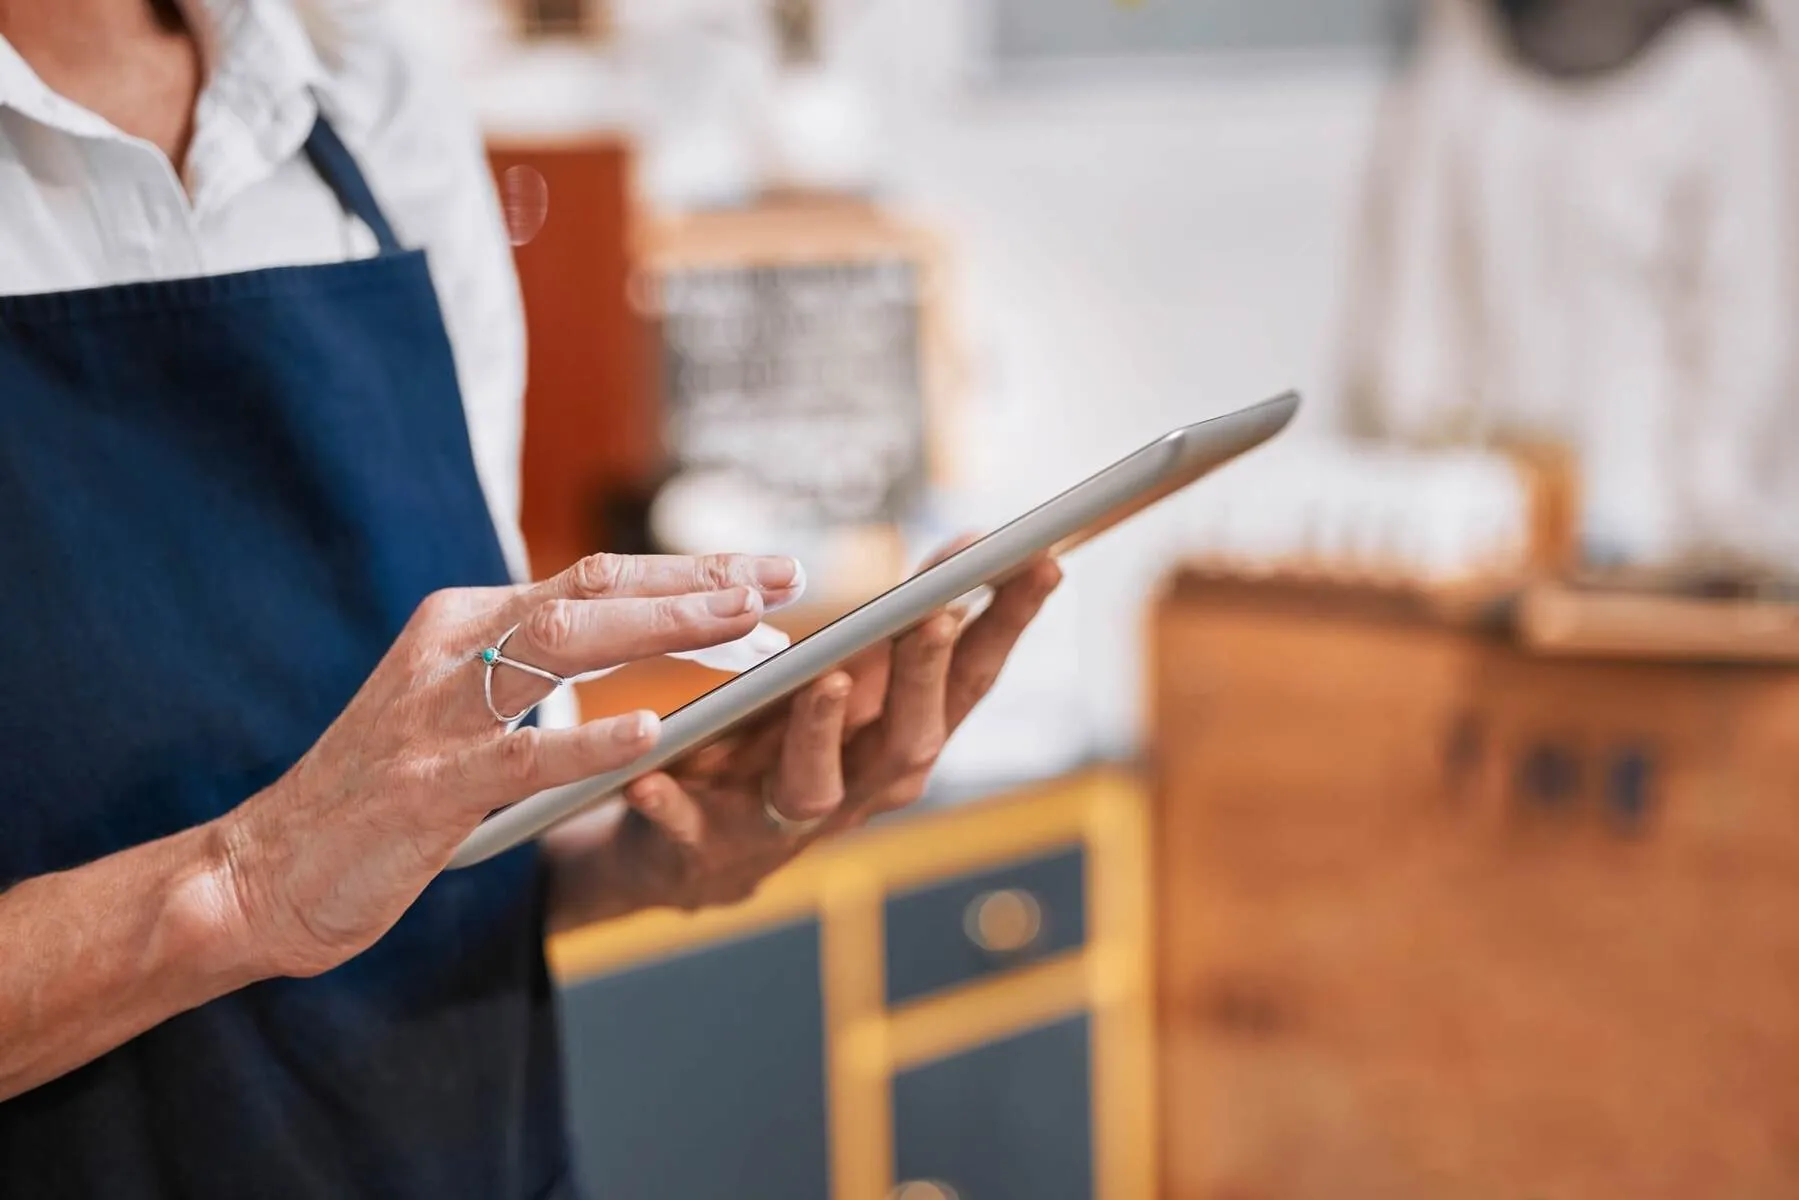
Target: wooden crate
1442 918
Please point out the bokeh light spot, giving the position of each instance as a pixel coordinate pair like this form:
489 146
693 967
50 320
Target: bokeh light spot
525 198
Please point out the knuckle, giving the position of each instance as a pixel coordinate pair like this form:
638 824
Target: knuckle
601 574
815 804
924 755
717 571
982 679
672 614
468 769
828 801
937 636
435 609
519 753
927 658
915 755
552 626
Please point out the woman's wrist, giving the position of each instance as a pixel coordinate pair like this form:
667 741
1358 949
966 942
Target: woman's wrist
99 953
206 921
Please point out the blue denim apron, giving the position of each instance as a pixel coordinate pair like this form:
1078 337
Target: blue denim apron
220 500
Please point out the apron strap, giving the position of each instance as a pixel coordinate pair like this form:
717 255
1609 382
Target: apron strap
332 160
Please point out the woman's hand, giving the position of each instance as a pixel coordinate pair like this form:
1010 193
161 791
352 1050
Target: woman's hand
858 742
322 863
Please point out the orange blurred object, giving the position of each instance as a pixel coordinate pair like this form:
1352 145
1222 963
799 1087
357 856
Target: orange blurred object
590 420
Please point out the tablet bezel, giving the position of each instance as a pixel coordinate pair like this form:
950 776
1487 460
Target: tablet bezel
1128 486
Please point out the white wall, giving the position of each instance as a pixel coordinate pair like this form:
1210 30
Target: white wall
1132 256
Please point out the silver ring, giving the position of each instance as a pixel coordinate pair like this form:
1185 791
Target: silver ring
494 656
782 823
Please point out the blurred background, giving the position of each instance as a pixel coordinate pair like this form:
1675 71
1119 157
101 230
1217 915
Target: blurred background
1407 811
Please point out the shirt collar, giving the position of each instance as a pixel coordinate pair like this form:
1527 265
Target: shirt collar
258 103
22 91
261 65
260 99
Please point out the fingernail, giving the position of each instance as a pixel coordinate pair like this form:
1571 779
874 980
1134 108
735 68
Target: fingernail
835 688
732 603
637 726
776 572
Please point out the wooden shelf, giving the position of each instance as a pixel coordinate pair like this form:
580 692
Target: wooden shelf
1560 620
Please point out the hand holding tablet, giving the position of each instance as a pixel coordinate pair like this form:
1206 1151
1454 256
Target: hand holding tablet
1123 489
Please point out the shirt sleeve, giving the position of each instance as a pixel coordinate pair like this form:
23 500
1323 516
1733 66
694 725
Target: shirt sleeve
423 152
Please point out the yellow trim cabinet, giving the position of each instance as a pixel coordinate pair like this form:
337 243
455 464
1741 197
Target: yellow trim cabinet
955 1004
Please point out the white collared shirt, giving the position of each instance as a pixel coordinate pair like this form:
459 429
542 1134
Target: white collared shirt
84 205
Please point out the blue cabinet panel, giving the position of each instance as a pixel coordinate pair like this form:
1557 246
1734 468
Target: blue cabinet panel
702 1077
1005 1121
929 947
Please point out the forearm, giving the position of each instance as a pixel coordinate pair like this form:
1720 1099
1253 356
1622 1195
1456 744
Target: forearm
92 957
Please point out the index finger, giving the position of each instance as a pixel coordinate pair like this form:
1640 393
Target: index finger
602 576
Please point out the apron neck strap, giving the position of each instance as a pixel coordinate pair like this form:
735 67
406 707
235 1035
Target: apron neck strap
332 160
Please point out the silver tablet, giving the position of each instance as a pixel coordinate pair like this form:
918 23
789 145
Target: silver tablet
1126 487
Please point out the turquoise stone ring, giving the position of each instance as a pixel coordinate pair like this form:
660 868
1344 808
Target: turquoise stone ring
495 656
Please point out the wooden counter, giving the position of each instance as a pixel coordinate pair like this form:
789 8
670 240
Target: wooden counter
1442 917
